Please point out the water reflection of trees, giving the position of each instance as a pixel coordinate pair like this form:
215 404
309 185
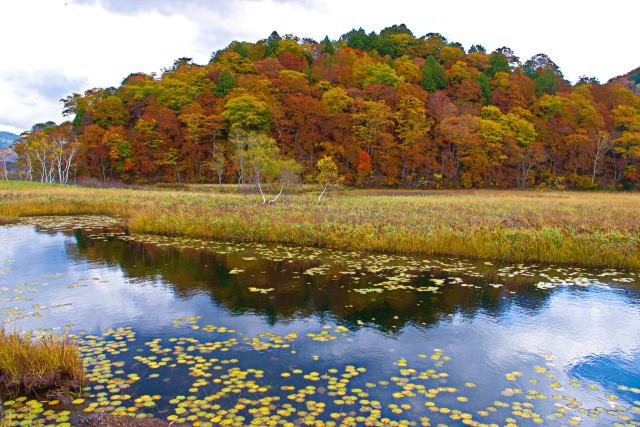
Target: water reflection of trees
295 294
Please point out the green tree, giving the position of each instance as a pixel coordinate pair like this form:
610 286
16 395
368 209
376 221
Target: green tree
356 39
434 76
226 82
327 45
482 80
546 82
272 44
498 63
544 72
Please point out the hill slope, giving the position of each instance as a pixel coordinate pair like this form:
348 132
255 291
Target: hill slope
386 109
6 138
631 80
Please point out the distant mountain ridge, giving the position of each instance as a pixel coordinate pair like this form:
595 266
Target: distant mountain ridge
6 138
631 80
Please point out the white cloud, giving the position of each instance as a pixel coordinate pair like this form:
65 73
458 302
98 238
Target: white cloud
12 129
99 42
78 43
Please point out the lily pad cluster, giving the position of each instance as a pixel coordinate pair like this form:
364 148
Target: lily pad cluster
210 373
225 391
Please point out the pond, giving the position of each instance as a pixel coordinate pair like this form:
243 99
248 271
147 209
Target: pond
201 332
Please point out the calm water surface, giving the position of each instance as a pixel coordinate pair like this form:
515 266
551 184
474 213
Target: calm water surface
211 332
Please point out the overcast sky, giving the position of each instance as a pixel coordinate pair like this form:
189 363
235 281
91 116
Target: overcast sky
52 48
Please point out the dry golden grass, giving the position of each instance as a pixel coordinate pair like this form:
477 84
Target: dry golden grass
49 363
587 228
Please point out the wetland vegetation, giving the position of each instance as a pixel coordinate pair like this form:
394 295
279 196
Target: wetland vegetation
48 365
580 228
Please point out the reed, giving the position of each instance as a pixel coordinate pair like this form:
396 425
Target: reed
582 228
33 366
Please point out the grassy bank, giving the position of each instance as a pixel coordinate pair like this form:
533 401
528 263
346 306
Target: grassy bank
594 229
45 365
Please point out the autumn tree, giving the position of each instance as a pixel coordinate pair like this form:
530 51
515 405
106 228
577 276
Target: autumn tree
218 162
65 148
407 70
194 120
147 146
367 72
262 160
601 146
456 139
627 145
336 100
49 150
24 150
110 112
522 148
412 128
372 127
364 168
327 174
5 155
120 153
248 113
288 174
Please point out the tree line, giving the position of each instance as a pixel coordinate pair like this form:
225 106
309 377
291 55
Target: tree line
387 109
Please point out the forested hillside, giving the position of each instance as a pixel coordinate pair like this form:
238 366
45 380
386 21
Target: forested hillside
630 80
6 138
391 109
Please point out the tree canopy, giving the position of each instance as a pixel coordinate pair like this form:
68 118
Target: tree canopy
389 109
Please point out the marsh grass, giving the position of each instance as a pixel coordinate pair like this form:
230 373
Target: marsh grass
47 364
591 229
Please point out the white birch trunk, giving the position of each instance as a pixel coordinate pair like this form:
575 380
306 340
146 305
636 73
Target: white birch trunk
322 194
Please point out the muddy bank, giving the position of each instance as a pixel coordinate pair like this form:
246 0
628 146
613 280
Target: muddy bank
122 421
50 385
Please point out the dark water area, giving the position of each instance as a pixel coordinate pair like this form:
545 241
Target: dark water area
201 332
